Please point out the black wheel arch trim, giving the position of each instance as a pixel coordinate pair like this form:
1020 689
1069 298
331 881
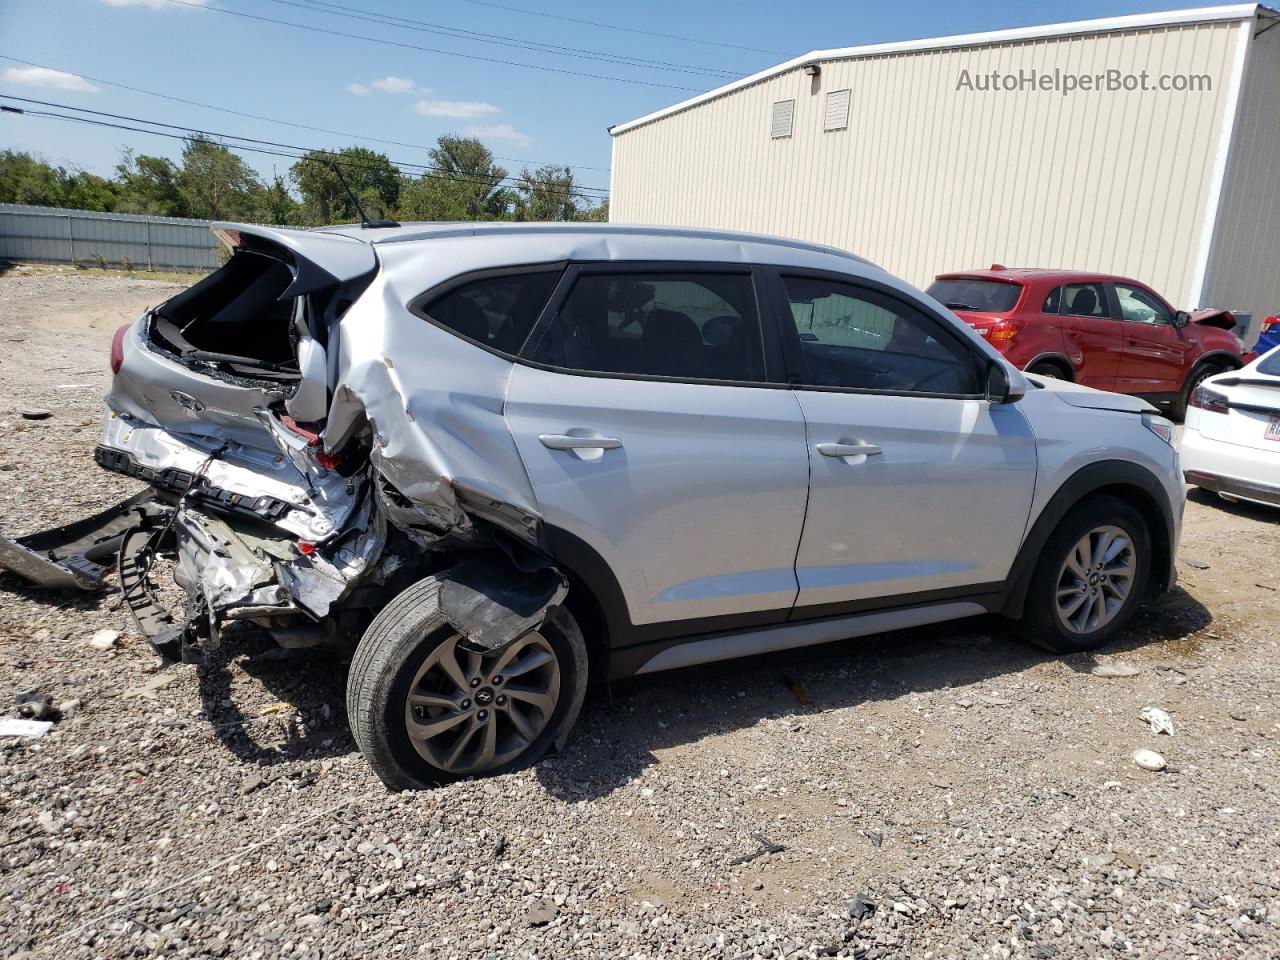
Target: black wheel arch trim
1215 358
1051 356
1121 478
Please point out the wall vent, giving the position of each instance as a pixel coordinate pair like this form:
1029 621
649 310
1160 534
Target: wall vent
784 114
836 115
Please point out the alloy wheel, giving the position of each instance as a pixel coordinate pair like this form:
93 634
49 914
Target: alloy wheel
469 711
1096 579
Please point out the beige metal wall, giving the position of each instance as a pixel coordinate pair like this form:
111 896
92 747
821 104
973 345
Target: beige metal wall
928 178
1244 265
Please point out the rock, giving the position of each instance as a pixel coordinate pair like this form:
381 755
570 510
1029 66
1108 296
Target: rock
104 639
69 708
148 688
1194 564
860 906
49 823
1112 670
35 413
540 913
875 836
1148 759
35 705
252 782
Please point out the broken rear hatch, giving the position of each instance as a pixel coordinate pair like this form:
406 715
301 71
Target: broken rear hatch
217 398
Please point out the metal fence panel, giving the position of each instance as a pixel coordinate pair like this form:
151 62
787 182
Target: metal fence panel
55 235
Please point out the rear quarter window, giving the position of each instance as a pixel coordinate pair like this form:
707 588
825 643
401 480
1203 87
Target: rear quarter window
497 312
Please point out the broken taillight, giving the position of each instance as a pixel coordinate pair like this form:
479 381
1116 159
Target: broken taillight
117 348
327 460
306 548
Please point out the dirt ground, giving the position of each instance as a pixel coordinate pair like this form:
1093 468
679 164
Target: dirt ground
947 792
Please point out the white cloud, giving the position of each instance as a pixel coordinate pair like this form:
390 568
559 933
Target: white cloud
156 4
454 108
397 85
498 131
359 89
44 77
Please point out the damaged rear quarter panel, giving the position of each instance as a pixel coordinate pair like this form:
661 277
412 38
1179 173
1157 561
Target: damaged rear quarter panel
433 401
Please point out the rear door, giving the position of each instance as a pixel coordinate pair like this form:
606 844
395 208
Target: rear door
1089 327
655 435
920 488
1156 353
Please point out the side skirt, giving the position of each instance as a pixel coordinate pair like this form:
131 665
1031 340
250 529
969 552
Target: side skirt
745 643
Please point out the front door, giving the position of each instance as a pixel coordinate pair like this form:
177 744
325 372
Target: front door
919 488
650 433
1155 351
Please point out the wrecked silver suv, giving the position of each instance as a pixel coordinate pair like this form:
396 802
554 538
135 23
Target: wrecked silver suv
497 459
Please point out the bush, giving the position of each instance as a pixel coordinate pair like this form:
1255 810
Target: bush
79 264
127 263
100 260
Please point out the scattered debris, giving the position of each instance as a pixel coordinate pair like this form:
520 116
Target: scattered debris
1128 859
767 846
1113 670
252 782
35 413
104 639
1267 586
500 847
1194 564
67 709
30 729
801 696
1160 721
1148 759
875 836
540 913
148 688
34 705
860 906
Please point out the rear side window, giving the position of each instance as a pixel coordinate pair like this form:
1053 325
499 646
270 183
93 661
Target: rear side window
696 326
496 312
987 296
1085 300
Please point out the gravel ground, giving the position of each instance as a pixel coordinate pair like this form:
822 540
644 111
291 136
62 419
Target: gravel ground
936 793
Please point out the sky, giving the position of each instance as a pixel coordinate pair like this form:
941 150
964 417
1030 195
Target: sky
365 91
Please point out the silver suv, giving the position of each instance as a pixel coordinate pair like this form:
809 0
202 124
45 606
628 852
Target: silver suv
501 460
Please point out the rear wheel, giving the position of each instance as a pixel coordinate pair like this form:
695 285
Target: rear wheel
1090 578
427 708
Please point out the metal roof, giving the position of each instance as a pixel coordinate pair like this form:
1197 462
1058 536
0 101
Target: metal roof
1239 11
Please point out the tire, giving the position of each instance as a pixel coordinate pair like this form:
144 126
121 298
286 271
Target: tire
1178 409
1051 370
411 635
1042 623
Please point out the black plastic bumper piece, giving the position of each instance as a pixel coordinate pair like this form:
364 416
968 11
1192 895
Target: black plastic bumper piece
1246 489
202 494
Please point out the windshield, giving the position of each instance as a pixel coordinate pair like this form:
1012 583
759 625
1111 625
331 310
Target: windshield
1270 363
987 296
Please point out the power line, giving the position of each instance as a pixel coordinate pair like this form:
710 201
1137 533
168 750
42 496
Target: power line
286 150
537 46
414 46
289 123
613 26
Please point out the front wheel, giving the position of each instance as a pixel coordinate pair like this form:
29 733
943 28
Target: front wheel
1178 410
1090 578
1050 370
426 708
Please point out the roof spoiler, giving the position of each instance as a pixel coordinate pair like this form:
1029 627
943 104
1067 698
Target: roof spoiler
318 260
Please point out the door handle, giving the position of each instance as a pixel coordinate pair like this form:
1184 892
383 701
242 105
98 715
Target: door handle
560 441
848 449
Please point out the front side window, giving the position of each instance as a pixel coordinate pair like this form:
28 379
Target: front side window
496 312
692 326
853 337
1141 306
1085 300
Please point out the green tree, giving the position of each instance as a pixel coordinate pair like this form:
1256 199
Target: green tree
149 185
214 183
546 194
274 203
87 191
372 177
24 179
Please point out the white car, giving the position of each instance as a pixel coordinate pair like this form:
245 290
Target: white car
1231 444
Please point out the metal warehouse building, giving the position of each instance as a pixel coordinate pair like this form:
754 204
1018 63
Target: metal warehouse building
904 153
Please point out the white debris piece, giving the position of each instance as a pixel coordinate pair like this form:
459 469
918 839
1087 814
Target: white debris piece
1148 760
31 729
104 639
1115 670
1160 721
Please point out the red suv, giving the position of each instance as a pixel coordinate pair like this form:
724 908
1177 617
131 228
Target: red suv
1102 331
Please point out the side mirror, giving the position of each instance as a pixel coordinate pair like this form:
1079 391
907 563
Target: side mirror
1181 318
1001 388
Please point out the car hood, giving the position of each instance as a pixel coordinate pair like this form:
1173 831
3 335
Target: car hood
1089 398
